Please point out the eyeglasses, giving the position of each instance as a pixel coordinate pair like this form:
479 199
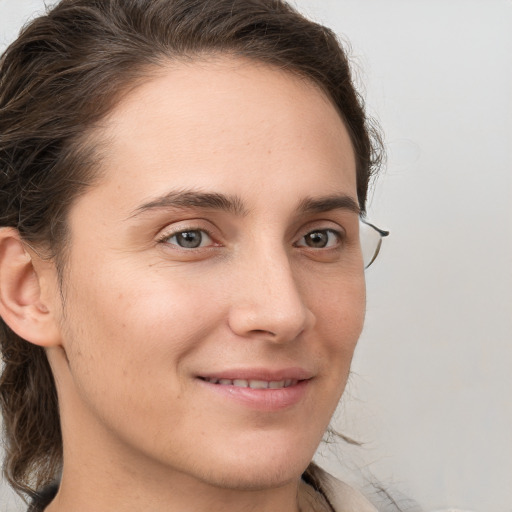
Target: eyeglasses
371 240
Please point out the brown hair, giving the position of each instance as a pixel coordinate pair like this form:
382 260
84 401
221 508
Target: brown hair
64 73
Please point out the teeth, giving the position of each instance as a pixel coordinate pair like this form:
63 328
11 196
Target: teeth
254 384
258 384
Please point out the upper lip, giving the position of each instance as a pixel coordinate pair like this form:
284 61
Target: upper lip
265 374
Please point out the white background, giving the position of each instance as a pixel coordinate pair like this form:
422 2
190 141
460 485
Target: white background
430 394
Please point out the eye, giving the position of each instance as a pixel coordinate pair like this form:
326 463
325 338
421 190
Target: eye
189 239
320 239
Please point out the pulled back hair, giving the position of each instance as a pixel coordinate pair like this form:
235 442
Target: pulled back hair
64 73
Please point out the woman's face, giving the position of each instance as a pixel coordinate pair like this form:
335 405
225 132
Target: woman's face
214 291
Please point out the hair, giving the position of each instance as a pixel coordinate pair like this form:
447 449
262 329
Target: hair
66 71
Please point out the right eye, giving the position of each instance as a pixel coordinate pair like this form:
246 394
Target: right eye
189 239
320 239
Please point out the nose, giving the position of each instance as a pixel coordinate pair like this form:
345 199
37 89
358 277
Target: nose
268 302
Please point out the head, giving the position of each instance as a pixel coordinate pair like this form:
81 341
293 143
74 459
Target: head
71 92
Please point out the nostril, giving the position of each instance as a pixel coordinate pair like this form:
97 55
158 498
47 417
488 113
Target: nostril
264 332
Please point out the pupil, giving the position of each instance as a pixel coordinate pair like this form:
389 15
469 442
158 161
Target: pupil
317 239
189 239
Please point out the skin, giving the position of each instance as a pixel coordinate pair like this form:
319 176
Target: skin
144 318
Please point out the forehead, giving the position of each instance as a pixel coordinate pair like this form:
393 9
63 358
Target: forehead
222 124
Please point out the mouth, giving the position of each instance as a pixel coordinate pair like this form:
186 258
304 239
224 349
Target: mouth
252 383
259 389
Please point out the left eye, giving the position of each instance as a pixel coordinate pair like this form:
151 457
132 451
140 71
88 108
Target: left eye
190 239
320 239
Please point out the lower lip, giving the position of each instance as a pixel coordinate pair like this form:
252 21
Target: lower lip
261 399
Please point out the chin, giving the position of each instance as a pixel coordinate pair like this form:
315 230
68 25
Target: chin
255 478
243 469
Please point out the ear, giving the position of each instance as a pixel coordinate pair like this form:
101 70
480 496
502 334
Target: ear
22 299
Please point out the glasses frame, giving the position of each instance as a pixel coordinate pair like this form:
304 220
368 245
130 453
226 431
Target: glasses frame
382 232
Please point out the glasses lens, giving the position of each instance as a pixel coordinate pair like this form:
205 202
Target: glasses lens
371 240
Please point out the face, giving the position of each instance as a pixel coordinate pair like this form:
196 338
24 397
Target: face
214 291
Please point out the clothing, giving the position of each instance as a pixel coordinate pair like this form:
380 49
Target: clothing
335 496
341 496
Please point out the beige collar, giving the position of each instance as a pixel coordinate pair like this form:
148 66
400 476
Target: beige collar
343 497
311 500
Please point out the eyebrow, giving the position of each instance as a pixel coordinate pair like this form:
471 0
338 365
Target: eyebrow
234 204
328 203
194 199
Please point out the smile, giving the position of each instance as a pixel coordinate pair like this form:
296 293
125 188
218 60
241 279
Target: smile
254 384
262 390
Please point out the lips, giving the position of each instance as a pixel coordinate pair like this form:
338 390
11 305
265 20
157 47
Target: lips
260 389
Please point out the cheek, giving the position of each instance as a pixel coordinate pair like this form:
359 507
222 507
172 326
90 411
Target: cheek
339 304
138 324
339 311
128 345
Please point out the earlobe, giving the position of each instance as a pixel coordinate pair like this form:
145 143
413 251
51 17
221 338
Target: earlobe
22 305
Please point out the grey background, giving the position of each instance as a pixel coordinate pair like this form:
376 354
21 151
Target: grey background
429 395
